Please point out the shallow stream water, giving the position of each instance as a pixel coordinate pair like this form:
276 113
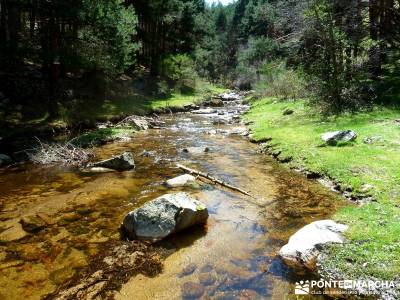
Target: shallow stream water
234 257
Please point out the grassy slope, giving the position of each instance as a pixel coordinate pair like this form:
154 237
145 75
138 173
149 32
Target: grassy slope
374 236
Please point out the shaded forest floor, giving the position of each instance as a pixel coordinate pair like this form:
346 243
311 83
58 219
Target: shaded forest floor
89 101
367 169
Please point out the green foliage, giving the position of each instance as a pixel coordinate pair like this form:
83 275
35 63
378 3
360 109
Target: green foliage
180 69
277 80
101 136
105 43
336 82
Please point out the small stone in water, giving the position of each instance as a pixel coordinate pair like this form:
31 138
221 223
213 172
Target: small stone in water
248 295
32 223
206 268
207 278
189 269
192 290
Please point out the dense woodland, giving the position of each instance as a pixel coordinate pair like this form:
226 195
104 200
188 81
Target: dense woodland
340 54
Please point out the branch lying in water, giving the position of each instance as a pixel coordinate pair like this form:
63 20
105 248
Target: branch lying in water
215 180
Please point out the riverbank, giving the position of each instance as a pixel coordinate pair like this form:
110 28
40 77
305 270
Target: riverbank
18 128
366 169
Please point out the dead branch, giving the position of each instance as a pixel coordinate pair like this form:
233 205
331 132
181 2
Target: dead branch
64 153
215 180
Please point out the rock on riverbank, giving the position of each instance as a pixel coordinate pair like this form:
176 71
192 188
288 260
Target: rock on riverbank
302 250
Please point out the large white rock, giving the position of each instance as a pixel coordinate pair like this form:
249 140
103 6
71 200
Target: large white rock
163 216
332 138
180 181
302 250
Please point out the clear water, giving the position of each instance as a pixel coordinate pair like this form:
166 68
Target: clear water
234 257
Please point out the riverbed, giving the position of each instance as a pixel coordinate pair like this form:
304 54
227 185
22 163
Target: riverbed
233 257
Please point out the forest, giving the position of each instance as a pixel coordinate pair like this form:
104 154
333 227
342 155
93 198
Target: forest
283 116
341 54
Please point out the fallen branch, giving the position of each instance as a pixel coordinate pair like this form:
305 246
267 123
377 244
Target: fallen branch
215 180
64 153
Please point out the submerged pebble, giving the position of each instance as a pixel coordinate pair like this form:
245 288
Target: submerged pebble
189 269
192 290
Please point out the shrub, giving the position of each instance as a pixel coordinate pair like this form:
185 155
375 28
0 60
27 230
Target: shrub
180 69
276 80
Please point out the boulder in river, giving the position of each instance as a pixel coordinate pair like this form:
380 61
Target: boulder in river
332 138
164 216
302 250
215 102
204 111
5 160
230 96
183 180
137 122
120 162
140 124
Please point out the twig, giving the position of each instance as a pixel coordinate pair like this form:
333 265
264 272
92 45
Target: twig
215 180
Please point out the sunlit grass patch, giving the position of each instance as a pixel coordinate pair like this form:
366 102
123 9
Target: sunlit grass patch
370 166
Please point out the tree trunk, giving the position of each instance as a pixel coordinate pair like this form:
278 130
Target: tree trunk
374 52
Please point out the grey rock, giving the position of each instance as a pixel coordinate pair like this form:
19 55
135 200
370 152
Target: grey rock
183 180
302 250
121 162
140 124
204 111
215 103
288 112
137 122
230 96
332 138
164 216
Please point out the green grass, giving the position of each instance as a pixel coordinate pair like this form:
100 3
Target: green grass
102 135
373 249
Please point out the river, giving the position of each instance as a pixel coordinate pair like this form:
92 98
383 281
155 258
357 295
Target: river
234 257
